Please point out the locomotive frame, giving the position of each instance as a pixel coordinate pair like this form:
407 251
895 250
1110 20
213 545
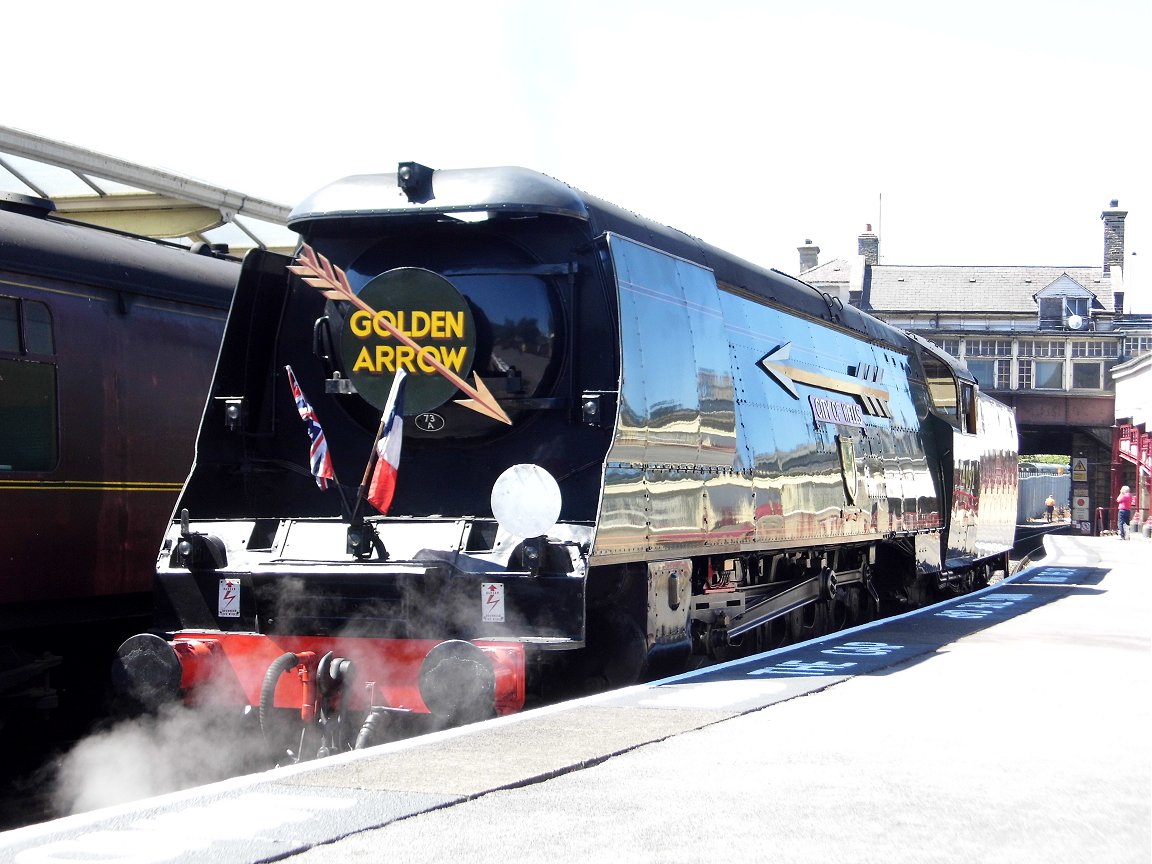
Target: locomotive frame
739 459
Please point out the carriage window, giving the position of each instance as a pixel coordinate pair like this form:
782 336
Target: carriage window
9 325
27 416
28 409
38 328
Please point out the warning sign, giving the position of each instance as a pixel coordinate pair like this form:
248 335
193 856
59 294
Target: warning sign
492 601
1079 470
228 604
1080 505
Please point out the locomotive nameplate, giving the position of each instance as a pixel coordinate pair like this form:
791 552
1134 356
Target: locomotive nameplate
836 411
428 309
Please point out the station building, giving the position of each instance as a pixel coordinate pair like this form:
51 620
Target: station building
1056 343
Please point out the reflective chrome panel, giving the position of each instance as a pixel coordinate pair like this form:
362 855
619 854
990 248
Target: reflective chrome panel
986 475
999 477
715 451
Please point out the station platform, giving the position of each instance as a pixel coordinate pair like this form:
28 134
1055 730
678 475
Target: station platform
1007 725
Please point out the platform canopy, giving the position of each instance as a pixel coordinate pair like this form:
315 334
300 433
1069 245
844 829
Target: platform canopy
92 187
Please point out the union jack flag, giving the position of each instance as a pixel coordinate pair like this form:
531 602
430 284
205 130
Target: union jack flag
319 459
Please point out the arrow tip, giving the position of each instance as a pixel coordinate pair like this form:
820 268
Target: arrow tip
485 404
779 373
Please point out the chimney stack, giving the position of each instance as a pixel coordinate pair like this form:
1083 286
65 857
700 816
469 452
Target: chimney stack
1113 236
809 256
868 245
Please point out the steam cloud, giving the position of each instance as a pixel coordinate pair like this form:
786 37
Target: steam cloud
176 749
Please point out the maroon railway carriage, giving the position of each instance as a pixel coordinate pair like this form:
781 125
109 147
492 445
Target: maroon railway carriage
107 345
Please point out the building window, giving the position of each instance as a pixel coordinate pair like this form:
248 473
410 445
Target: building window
1048 374
1137 345
949 346
1042 348
1024 375
992 374
1055 311
1086 376
1003 374
988 347
28 408
1093 348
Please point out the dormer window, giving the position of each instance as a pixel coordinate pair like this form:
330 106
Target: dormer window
1065 305
1075 308
1064 313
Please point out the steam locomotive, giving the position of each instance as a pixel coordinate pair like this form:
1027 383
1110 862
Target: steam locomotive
623 451
107 344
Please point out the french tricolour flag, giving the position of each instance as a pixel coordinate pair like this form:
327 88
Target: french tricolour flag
318 459
388 447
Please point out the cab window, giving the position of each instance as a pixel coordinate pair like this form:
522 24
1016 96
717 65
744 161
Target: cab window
968 407
943 390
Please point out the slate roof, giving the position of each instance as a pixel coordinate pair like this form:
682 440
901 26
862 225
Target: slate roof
968 289
831 272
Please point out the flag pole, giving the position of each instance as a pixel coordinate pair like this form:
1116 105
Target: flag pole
316 436
362 491
344 508
390 409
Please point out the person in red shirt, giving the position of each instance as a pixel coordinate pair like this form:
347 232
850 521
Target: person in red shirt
1124 516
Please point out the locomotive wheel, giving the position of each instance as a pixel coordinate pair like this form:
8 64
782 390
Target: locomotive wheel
844 609
983 576
828 584
813 621
788 629
867 605
616 652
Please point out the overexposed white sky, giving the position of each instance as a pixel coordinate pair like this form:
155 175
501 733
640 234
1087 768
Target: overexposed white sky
992 132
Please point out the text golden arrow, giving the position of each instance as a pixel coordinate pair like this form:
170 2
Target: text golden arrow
333 283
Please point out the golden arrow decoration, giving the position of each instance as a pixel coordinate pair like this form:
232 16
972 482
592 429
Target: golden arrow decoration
332 282
876 398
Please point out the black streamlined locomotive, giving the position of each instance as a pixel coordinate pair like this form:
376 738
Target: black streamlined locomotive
622 448
107 344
